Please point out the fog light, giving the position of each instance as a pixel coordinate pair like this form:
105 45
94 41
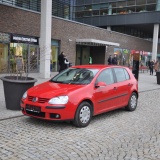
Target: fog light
55 115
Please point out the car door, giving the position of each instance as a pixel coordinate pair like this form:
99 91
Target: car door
123 86
105 95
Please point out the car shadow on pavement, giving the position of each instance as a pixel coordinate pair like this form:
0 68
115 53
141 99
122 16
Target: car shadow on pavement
65 124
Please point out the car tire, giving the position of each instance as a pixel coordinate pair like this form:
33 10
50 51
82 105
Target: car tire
83 115
132 104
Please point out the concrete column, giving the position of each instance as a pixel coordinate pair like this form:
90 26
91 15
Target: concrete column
158 5
45 38
155 41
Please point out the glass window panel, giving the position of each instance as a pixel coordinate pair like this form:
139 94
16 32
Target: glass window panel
121 10
99 6
151 7
104 12
114 11
130 2
130 9
88 7
87 13
121 4
113 5
140 8
140 2
79 8
79 14
151 1
96 12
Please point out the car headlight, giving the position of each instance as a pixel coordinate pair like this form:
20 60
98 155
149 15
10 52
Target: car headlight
24 95
59 100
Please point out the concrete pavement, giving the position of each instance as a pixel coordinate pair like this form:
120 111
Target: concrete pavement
146 82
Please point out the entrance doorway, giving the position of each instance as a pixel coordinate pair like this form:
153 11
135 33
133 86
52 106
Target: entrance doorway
97 53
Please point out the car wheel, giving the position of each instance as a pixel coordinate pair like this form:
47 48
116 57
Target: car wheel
132 104
83 115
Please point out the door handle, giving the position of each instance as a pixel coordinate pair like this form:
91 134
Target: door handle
115 88
129 84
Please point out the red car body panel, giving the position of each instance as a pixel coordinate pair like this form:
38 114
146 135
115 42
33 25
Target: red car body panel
102 99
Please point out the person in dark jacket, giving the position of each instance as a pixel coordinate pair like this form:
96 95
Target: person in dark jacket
63 62
151 67
114 60
110 60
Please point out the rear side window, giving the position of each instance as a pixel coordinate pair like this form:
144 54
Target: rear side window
121 74
126 74
106 76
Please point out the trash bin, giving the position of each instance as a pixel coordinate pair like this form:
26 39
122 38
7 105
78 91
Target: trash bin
158 77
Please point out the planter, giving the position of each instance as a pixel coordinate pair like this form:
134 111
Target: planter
14 88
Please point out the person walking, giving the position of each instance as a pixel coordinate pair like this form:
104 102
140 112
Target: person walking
151 67
114 60
110 60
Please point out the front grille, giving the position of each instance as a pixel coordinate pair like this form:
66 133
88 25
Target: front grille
42 100
39 100
40 114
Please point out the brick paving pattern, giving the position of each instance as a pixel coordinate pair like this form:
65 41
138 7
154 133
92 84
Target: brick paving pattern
116 135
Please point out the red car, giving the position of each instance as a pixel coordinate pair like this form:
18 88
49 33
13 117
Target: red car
80 92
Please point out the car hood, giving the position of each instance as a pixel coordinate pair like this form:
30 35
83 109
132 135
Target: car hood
50 89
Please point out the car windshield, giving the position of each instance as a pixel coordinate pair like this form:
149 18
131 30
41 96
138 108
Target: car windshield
75 76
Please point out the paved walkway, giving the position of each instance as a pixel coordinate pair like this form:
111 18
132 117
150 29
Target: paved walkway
146 82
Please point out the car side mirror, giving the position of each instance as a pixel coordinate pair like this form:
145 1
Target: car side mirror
100 84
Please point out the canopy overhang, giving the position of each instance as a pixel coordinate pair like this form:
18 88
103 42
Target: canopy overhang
95 42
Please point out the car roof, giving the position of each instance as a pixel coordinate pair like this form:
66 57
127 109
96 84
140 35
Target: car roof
97 66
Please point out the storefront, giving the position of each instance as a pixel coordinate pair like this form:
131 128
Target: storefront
4 45
27 48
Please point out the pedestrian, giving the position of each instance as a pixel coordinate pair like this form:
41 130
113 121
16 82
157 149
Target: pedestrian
156 67
90 60
110 60
114 60
151 67
61 61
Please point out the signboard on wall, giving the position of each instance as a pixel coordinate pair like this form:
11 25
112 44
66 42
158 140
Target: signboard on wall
15 38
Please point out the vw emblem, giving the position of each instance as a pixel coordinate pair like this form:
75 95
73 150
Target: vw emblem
35 99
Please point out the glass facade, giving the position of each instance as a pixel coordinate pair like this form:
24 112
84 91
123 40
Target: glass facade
60 8
117 7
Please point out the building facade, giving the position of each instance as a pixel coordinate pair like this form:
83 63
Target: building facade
21 27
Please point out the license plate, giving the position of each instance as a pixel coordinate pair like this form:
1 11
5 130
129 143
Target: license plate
32 108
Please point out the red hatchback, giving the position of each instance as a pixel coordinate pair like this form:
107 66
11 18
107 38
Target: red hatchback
80 92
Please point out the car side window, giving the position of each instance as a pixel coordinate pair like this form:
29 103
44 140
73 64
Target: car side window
120 74
106 76
126 74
